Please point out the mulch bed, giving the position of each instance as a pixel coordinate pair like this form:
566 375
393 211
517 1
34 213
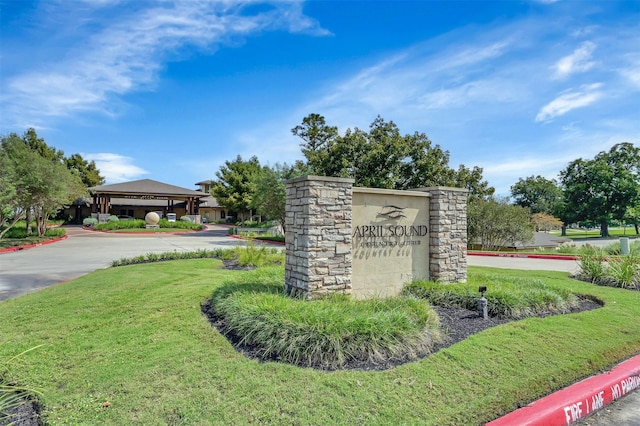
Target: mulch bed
27 414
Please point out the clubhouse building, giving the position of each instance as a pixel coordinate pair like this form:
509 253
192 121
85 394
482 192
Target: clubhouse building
137 198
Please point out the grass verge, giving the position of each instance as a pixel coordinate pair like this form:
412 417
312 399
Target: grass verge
135 337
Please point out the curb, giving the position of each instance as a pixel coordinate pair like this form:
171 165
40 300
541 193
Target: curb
524 256
579 400
44 243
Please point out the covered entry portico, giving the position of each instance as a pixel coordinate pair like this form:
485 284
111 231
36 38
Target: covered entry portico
143 196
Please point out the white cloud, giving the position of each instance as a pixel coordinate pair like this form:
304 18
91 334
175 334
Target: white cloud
570 100
115 167
127 54
578 61
631 72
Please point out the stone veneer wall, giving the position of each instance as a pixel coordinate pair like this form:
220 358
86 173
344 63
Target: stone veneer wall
448 234
318 236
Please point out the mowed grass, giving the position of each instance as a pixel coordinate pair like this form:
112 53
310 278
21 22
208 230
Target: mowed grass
135 337
595 233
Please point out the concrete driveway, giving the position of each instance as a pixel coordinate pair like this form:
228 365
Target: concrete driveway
85 251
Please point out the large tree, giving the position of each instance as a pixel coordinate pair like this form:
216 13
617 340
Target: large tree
539 194
603 189
633 216
235 185
11 205
382 157
41 182
269 191
86 170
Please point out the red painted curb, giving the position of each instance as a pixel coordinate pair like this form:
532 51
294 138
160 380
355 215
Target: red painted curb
577 401
44 243
525 256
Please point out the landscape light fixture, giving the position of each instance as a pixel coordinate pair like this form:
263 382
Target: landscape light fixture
482 303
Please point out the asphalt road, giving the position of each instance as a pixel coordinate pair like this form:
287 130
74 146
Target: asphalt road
25 271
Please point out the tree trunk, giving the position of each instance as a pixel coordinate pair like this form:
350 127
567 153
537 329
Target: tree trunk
564 231
28 220
636 225
604 229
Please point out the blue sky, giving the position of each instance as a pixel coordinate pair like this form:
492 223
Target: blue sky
169 90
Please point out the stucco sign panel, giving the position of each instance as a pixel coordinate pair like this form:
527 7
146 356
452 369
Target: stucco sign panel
390 240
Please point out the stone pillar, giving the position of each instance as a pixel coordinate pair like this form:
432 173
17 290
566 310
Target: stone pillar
318 236
448 234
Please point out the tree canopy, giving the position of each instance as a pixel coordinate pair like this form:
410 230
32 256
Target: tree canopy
269 191
539 194
235 185
604 188
494 224
383 158
86 170
35 179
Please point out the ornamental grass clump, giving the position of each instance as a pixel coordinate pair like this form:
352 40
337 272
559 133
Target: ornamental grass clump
11 395
256 256
507 297
624 271
615 271
591 264
328 333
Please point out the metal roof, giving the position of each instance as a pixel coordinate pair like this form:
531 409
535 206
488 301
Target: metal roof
147 187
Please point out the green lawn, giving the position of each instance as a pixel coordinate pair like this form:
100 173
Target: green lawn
135 337
595 233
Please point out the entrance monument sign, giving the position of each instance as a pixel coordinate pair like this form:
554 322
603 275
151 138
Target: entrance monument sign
390 240
370 242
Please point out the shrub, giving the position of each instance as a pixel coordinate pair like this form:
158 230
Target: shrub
186 219
122 224
54 232
181 224
249 224
90 221
175 255
328 333
113 218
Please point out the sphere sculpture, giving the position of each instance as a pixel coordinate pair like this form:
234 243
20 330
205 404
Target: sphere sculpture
152 218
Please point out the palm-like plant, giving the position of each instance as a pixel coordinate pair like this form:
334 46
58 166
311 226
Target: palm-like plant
12 395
